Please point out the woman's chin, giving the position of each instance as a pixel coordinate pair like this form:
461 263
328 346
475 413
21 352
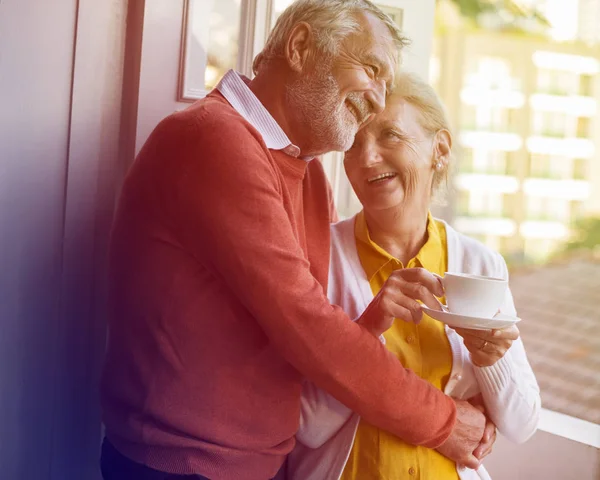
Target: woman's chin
378 205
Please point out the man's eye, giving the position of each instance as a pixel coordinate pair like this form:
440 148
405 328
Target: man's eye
372 70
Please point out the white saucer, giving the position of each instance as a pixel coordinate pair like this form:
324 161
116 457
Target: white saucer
500 320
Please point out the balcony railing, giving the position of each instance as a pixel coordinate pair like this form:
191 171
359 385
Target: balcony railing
492 215
557 91
563 448
547 217
550 175
488 170
488 128
552 133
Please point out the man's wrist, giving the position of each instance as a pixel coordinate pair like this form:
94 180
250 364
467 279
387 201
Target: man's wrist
368 328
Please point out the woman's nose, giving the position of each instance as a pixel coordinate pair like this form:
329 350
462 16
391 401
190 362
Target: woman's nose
370 156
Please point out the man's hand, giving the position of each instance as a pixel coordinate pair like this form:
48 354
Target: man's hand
466 435
398 299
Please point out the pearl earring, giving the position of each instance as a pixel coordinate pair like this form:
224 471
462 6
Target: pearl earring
439 166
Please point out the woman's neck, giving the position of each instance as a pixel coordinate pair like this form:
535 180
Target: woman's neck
400 231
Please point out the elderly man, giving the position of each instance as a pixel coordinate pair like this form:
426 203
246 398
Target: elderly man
218 266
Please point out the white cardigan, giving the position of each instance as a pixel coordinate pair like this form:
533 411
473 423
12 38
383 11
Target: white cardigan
509 388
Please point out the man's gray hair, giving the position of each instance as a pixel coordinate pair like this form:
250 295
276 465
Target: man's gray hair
331 21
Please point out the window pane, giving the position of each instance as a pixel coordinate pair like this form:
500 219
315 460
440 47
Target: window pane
223 40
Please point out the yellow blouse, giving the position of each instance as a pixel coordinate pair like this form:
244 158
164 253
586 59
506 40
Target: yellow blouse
424 348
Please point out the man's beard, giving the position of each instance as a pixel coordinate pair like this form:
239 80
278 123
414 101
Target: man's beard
315 99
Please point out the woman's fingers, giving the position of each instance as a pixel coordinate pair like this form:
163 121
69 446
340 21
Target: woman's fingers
488 346
423 277
398 298
494 336
510 333
487 442
397 303
418 284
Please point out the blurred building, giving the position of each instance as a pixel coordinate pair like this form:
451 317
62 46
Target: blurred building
525 112
589 21
569 20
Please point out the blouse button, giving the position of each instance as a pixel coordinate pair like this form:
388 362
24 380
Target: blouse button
412 471
410 339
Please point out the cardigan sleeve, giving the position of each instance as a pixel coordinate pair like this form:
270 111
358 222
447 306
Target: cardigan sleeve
509 388
226 200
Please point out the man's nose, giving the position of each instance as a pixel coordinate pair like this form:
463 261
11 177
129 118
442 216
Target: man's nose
376 96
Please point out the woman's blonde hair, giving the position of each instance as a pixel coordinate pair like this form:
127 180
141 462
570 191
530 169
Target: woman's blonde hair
434 118
331 21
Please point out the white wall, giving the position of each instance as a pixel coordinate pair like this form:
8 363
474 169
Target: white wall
36 55
417 25
60 100
159 73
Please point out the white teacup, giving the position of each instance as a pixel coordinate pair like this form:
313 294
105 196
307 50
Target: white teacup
474 295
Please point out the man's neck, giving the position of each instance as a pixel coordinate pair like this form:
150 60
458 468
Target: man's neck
270 91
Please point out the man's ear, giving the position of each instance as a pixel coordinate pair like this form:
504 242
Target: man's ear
299 46
442 147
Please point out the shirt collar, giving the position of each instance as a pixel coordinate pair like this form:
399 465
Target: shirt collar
234 88
376 257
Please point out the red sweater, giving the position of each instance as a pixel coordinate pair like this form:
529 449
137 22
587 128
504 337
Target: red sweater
218 270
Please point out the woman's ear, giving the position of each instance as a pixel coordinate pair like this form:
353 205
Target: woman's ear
299 46
442 148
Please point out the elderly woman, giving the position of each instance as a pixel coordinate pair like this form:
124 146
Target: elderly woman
395 166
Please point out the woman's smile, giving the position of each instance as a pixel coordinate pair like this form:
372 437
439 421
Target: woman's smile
381 179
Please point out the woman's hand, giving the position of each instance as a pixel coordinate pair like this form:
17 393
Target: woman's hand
398 299
488 346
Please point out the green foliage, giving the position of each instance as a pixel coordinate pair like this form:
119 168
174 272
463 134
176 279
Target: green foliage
586 235
508 10
474 8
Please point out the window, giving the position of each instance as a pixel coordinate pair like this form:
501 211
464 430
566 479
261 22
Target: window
491 72
557 82
551 167
550 124
548 209
485 204
489 161
211 45
223 35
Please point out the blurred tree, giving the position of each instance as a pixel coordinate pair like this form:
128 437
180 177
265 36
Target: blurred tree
586 235
508 10
474 8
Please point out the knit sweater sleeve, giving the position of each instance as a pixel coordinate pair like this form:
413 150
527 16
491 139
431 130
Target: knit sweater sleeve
219 179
